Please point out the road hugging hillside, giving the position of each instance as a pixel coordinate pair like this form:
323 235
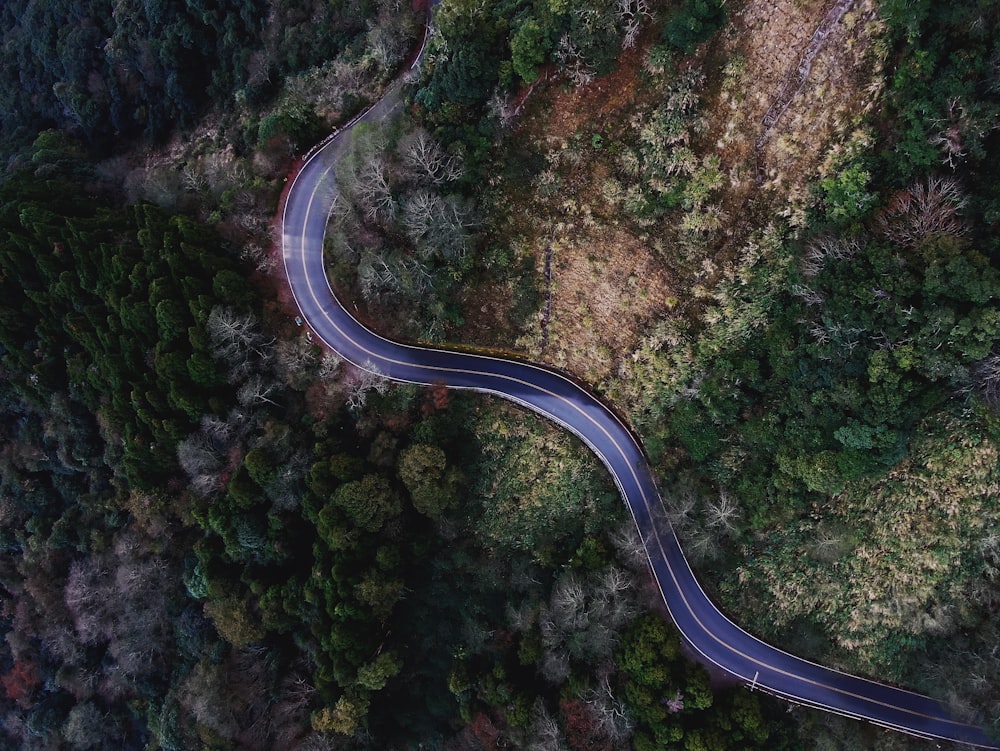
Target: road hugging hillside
555 396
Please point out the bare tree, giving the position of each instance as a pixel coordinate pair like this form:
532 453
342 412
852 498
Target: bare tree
439 226
262 260
629 545
811 297
423 207
701 545
987 377
812 262
609 711
297 359
678 508
379 273
827 247
255 390
329 365
572 62
723 513
222 170
615 581
425 157
545 734
819 333
502 108
61 640
830 543
949 139
86 727
582 619
204 694
160 185
236 339
385 44
88 594
569 603
361 381
200 459
630 14
193 177
315 742
285 490
374 190
922 210
121 598
522 618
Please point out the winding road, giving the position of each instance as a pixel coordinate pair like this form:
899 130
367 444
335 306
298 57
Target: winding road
717 639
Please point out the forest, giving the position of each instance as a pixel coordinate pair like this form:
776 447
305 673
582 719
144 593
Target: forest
218 535
216 538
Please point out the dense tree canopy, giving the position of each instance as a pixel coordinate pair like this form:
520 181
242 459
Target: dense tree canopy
105 70
216 534
110 305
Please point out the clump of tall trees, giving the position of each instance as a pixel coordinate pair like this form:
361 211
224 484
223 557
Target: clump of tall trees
880 314
480 56
107 365
108 306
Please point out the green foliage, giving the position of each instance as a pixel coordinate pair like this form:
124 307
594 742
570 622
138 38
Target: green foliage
344 718
539 491
693 23
938 114
475 39
377 673
432 485
369 502
100 301
665 169
145 68
302 127
869 338
233 620
528 47
847 194
812 376
700 438
671 701
485 50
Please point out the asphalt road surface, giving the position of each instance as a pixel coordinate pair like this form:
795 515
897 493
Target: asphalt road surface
551 394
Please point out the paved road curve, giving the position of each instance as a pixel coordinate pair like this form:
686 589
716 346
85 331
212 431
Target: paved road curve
709 632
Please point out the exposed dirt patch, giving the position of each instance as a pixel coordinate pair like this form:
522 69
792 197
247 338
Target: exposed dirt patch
490 319
593 107
602 284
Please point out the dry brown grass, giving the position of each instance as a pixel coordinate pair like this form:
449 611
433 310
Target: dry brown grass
765 44
606 287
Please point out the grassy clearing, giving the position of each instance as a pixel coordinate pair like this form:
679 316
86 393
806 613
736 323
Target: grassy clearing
885 564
